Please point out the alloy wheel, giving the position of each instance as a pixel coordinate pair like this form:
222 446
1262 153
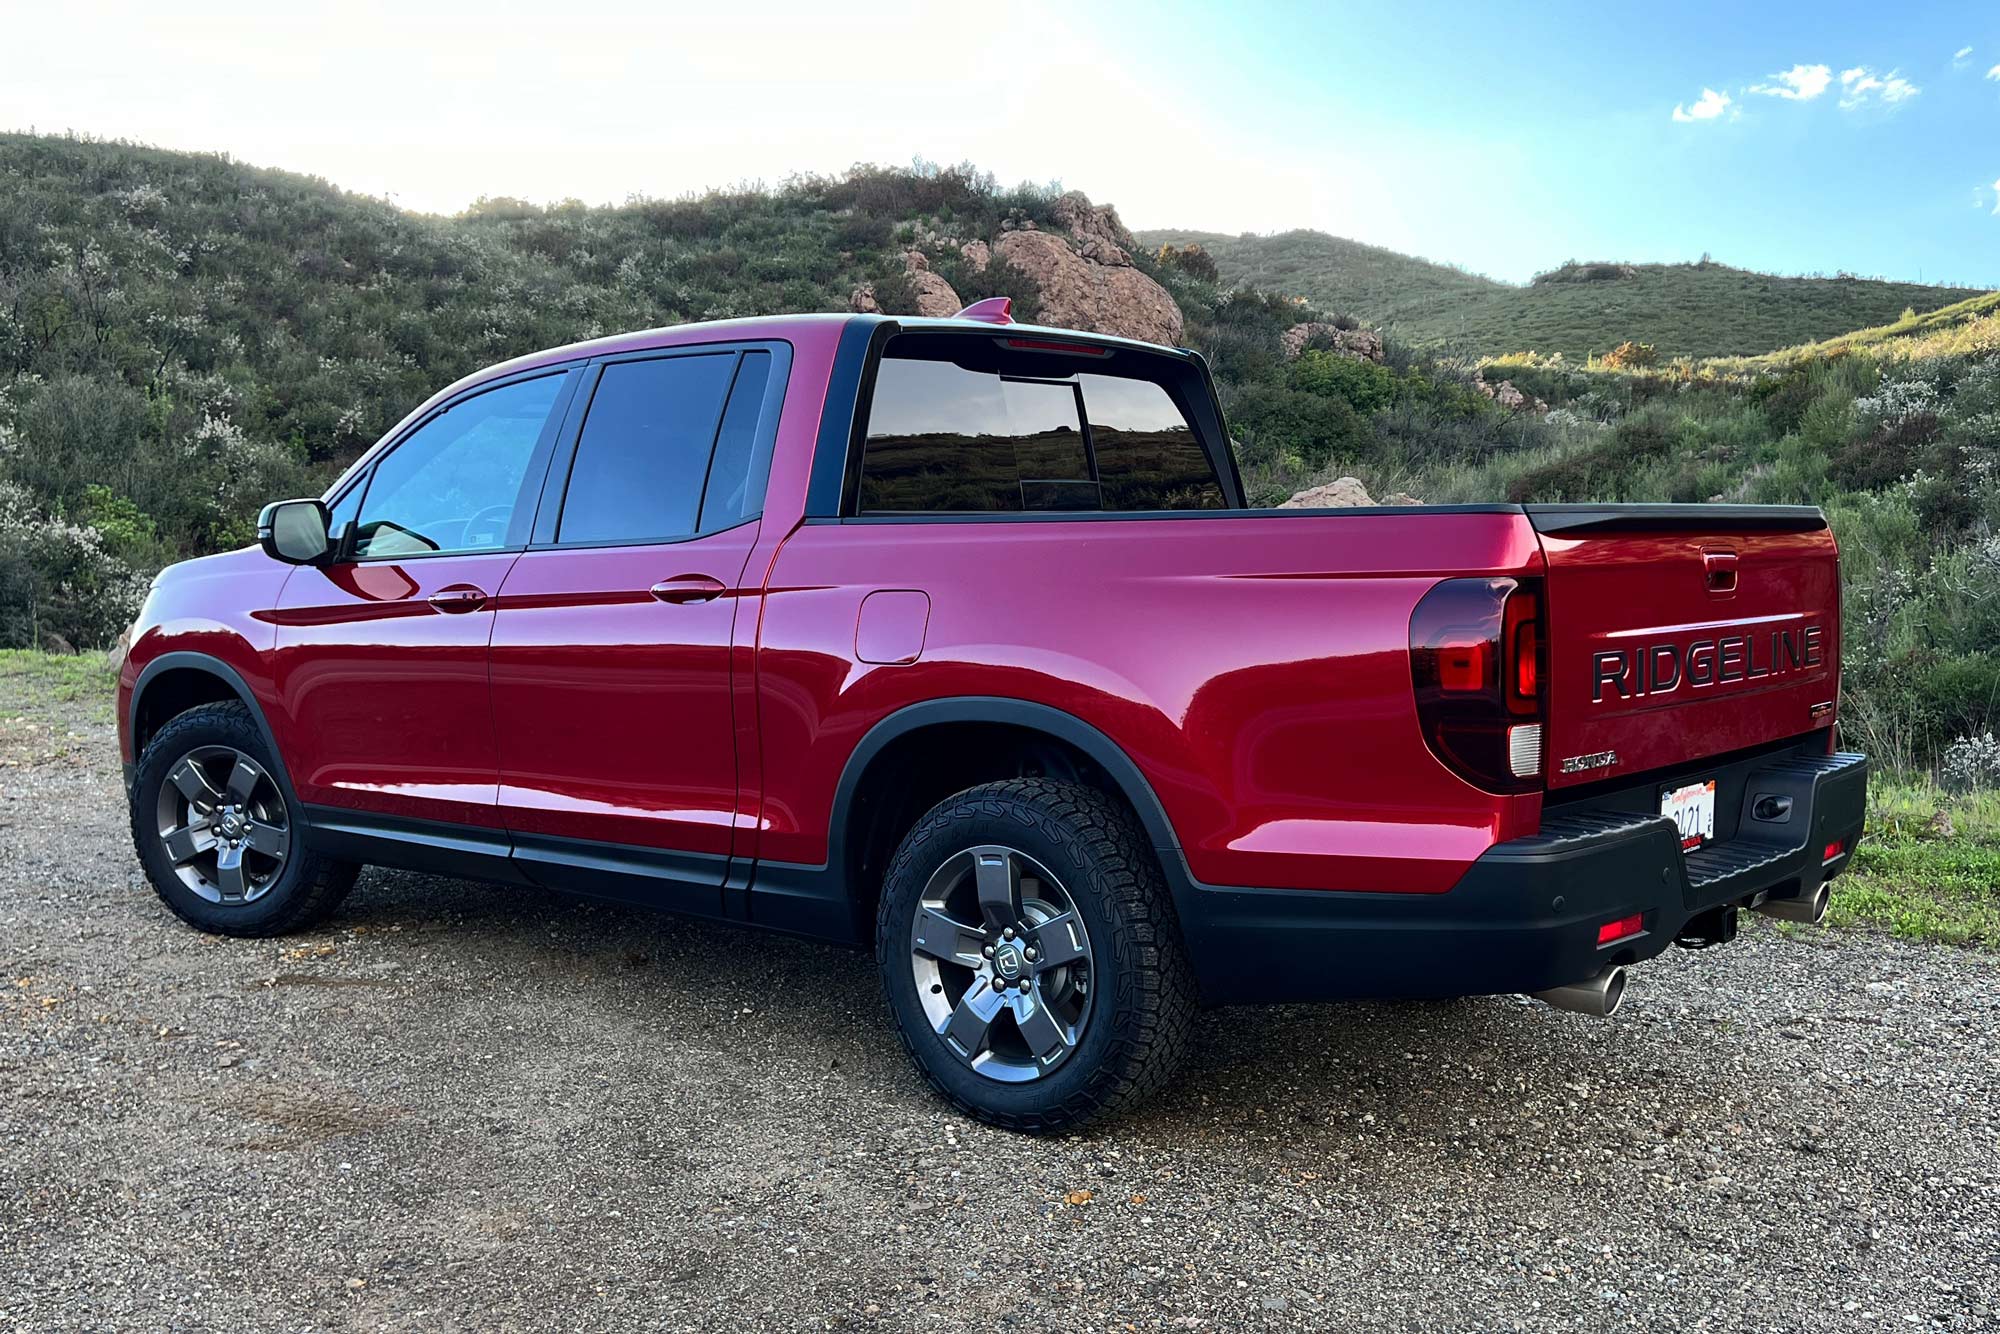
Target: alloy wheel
1002 963
223 823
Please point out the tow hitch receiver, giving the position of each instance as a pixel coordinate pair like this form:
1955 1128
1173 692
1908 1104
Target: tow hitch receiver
1717 926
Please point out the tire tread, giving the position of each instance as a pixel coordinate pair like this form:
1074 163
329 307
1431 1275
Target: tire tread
321 882
1156 999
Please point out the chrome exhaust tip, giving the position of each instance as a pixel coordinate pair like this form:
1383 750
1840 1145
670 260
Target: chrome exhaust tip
1598 996
1807 908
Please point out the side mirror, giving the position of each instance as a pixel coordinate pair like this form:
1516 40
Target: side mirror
295 532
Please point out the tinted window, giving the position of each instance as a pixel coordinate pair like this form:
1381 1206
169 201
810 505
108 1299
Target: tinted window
643 455
742 463
941 437
452 485
1147 455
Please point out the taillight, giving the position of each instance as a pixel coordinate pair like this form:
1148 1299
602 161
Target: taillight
1477 663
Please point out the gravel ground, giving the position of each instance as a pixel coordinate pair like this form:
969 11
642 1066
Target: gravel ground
464 1108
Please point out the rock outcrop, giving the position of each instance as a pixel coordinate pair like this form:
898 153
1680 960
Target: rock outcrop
1094 288
1343 493
1361 344
1084 273
935 297
1511 397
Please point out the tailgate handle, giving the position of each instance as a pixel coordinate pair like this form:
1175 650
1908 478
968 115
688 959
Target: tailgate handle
1719 572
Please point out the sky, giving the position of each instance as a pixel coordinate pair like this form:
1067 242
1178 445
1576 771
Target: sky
1791 137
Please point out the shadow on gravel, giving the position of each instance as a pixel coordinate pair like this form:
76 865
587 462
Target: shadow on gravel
1491 1065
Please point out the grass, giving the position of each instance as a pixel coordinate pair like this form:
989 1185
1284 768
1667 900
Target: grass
1579 310
1960 329
67 678
1912 880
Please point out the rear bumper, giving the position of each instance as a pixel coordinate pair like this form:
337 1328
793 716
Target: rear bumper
1525 917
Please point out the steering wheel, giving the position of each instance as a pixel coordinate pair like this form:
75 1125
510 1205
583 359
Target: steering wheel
476 524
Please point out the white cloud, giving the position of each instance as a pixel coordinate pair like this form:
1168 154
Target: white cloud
1961 53
1994 73
1800 83
1707 107
1861 85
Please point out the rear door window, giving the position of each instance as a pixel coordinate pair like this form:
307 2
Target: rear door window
735 488
642 459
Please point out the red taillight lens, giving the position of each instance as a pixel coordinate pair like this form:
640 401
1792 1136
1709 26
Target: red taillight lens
1833 850
1524 671
1462 667
1622 929
1476 665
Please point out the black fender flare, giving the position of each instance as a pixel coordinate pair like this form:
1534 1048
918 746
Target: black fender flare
1102 751
188 660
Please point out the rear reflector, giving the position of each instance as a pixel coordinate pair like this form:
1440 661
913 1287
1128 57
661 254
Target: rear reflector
1833 850
1622 929
1524 750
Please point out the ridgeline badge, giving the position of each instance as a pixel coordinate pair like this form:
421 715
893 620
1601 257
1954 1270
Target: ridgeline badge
1661 669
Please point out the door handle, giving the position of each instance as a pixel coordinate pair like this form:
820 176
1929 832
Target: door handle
1719 572
689 588
458 598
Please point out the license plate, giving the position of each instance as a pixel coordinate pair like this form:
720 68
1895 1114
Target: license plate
1692 808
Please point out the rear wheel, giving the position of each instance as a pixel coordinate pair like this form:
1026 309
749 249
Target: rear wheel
219 841
1031 955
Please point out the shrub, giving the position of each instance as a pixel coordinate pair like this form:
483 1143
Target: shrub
1631 356
1190 259
1970 763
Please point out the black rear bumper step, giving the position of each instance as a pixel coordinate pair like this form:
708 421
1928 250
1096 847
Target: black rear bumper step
1525 917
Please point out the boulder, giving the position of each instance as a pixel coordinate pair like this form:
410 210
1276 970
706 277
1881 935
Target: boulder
1361 344
1510 397
1339 494
977 254
1092 292
935 297
121 647
1096 229
1343 493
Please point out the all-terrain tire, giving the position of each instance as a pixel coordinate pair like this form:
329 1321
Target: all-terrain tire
1142 999
306 887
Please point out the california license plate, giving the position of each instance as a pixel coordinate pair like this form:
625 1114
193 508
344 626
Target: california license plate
1692 808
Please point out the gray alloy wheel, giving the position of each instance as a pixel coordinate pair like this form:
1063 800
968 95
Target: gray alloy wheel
1002 963
222 821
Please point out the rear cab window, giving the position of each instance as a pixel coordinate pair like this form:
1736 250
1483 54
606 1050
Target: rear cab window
972 423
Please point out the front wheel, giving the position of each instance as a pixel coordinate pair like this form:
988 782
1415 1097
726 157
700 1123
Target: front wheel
1031 955
219 841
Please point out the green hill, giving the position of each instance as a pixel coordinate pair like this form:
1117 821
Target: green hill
1684 310
1379 286
1963 328
183 338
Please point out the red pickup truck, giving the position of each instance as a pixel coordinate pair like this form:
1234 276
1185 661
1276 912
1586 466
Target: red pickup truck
955 639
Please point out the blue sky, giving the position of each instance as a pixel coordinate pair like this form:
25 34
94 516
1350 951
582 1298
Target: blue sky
1517 137
1505 138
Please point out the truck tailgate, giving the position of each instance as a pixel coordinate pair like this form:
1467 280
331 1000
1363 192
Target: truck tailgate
1681 632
